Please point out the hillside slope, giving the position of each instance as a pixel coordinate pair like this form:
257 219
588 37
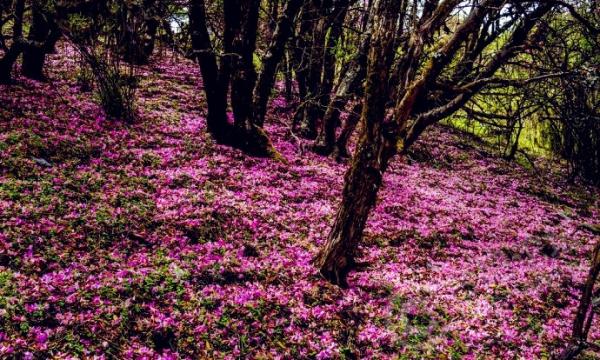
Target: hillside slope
150 240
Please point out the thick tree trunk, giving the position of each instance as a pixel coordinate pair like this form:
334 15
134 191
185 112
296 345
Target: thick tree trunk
241 16
139 25
331 120
149 41
241 19
379 139
362 183
585 312
214 87
53 37
515 145
236 67
152 23
34 56
375 148
322 65
7 62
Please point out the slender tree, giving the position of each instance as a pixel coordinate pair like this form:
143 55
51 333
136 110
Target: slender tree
275 52
420 103
365 174
350 87
585 310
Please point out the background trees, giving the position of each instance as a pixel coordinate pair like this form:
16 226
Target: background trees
556 109
394 68
235 70
431 86
387 68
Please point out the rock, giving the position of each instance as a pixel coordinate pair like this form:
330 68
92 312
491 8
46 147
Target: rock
42 162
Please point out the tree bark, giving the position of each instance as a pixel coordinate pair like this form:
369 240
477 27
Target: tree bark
303 58
379 140
585 311
241 18
311 111
273 56
374 150
34 56
241 21
289 84
341 145
350 85
9 58
152 23
335 23
299 53
214 86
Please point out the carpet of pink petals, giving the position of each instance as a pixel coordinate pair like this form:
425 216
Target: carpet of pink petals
150 241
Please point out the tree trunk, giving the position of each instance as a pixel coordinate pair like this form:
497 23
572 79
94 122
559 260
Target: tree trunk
515 145
289 84
302 58
379 139
7 62
53 37
335 22
272 58
374 150
362 182
331 120
309 113
34 56
214 87
9 58
351 84
341 145
139 25
241 20
585 311
150 40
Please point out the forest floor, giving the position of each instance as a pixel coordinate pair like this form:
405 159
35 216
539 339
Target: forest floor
148 240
